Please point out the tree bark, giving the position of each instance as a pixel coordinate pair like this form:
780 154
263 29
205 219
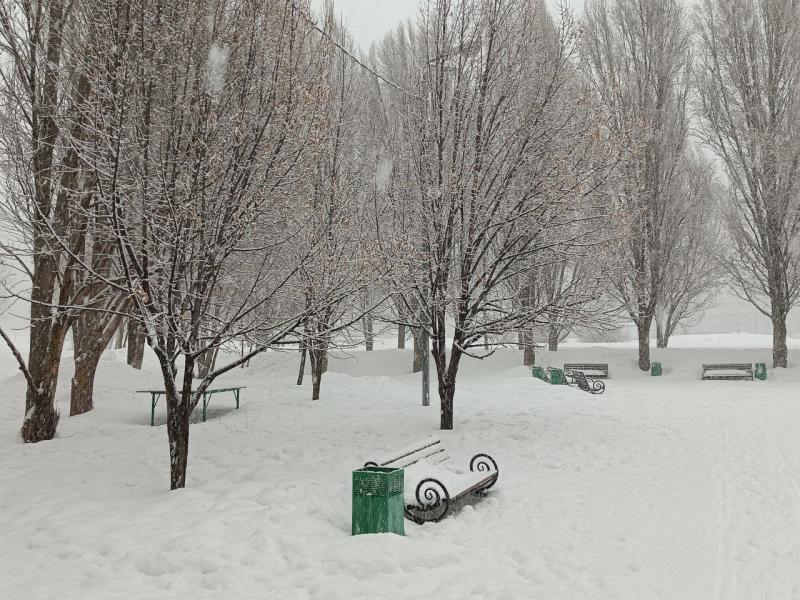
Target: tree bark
178 419
41 416
419 350
643 329
369 337
179 412
552 338
446 394
446 373
319 364
206 362
120 341
82 390
528 348
779 350
91 334
401 337
662 335
136 343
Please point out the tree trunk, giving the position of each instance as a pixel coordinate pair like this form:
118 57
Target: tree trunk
369 337
91 335
552 338
303 352
44 359
135 344
662 336
426 371
206 362
179 412
446 373
178 420
643 329
319 365
120 341
419 350
446 394
82 391
528 348
316 382
401 337
779 351
48 325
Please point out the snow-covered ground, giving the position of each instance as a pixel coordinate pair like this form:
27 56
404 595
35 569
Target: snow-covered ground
664 487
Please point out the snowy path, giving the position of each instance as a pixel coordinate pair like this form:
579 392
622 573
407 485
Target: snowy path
670 488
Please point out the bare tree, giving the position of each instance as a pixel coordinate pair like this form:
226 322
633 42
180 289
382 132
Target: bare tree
750 104
482 79
637 54
693 272
207 114
336 220
46 99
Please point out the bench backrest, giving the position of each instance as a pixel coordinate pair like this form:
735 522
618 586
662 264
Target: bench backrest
431 450
602 368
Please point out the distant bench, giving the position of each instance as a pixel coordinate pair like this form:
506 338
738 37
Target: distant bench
435 495
591 370
728 371
156 394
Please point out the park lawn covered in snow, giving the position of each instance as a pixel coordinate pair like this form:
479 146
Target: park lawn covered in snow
665 487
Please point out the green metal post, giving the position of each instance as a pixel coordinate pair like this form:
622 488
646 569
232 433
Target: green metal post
426 373
153 401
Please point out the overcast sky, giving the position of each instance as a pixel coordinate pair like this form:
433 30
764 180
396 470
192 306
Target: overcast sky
370 20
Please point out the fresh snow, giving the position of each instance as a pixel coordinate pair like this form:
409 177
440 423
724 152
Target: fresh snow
666 487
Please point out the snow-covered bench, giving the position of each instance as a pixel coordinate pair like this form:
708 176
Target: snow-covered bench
591 370
436 488
729 371
593 386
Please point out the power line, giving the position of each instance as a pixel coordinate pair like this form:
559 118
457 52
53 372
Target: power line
308 18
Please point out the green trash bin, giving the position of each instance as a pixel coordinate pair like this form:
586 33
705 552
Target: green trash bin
655 369
378 500
557 377
539 373
761 371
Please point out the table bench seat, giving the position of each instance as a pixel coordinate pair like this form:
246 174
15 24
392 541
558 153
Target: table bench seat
155 396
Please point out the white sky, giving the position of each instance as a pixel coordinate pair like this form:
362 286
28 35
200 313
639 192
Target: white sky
370 20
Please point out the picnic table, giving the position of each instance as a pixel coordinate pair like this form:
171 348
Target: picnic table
155 395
